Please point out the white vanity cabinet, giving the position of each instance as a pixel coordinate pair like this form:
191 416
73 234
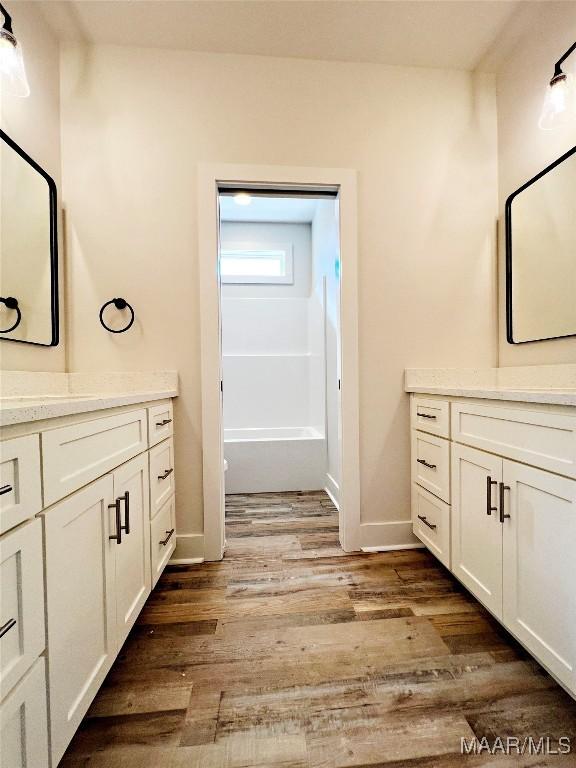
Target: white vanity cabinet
512 519
86 554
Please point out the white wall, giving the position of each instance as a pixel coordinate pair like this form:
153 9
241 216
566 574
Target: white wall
538 36
265 335
324 314
34 124
136 123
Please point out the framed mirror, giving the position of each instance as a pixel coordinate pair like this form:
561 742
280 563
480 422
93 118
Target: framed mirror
28 249
541 255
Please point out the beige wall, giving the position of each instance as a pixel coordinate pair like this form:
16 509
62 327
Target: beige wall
34 124
539 35
137 122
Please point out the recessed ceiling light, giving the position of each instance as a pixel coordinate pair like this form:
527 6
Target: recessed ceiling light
242 198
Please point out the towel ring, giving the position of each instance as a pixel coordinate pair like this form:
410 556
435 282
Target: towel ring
11 303
119 304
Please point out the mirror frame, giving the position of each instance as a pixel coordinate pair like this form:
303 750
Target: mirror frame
508 222
54 299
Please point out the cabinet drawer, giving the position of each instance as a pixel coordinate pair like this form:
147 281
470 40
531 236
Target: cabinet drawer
74 456
22 634
20 488
431 523
161 475
23 722
542 439
430 415
162 538
160 422
431 463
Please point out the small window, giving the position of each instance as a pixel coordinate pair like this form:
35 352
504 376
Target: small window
248 264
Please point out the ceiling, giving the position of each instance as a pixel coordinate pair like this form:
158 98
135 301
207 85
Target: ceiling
425 33
295 210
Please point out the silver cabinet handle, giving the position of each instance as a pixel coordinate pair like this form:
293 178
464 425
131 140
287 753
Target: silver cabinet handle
166 473
426 416
169 535
163 422
425 521
5 489
425 463
489 484
7 627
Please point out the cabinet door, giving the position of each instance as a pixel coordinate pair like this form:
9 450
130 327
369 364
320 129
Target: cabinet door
131 488
477 535
540 566
22 631
81 605
23 727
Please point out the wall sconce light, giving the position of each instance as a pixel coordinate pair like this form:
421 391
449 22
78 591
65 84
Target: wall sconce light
12 68
560 102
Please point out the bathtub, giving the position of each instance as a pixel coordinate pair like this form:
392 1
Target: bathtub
274 459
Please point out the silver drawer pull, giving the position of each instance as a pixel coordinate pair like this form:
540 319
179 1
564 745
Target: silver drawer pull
430 525
166 473
425 464
7 627
169 535
5 489
163 422
426 416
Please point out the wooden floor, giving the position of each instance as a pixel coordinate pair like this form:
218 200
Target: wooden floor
291 654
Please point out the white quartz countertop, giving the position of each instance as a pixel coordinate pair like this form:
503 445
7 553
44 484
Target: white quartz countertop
553 384
69 394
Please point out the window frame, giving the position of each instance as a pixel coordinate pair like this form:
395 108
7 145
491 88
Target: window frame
239 248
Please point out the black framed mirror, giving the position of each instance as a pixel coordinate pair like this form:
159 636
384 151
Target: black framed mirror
541 255
28 249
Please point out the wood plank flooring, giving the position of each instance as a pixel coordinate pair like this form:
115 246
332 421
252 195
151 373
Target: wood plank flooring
292 654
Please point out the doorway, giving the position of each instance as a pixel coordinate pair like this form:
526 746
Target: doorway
280 321
279 329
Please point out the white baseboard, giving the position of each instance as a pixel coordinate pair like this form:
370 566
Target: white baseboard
382 537
189 548
333 490
392 548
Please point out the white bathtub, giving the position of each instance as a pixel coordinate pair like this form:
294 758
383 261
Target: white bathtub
274 459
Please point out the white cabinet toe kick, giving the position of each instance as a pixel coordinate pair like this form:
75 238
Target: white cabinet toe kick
88 525
494 499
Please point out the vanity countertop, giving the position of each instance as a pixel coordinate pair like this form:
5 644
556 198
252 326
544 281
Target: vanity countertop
552 384
70 394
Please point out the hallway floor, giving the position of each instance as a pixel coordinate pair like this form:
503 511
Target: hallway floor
290 653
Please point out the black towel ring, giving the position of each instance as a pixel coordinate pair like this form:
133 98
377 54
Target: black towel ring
119 304
11 303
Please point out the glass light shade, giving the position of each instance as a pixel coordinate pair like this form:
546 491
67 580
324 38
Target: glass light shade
12 70
559 106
